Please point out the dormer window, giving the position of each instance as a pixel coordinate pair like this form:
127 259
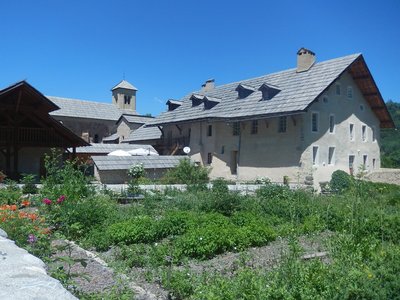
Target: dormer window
268 91
244 90
210 102
196 99
173 104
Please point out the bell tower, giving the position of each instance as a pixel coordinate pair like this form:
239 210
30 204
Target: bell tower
124 95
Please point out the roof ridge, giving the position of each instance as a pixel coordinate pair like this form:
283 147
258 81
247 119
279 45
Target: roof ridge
77 100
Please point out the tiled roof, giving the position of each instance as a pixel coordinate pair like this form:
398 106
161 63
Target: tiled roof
143 134
107 148
298 91
137 118
86 109
124 85
125 162
112 137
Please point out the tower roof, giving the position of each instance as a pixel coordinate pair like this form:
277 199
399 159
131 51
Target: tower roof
124 85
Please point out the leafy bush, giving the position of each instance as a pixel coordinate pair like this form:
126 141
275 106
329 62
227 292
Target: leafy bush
29 186
186 173
341 181
11 193
64 178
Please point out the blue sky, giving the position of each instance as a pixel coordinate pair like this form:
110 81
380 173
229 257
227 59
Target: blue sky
81 49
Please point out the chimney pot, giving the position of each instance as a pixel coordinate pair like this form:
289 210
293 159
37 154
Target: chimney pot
208 85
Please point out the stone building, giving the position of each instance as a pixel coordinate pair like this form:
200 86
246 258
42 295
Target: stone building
99 122
302 123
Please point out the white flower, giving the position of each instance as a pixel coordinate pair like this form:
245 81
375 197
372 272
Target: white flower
200 238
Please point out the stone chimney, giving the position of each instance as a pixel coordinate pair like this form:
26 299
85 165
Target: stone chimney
305 60
208 85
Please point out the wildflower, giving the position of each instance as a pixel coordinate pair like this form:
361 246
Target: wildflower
25 203
200 238
47 201
31 239
61 199
13 207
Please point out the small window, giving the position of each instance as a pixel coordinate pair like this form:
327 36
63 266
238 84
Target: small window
222 149
96 138
373 133
325 99
364 133
127 99
331 124
349 92
337 89
209 158
365 161
331 155
361 107
209 130
254 127
373 163
315 155
351 132
314 122
282 124
236 128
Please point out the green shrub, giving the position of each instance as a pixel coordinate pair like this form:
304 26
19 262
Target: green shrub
29 186
141 229
341 181
186 173
11 193
64 178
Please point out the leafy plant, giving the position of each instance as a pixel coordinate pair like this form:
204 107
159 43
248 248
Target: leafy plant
29 186
341 181
187 173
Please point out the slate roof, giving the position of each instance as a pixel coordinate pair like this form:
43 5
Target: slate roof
125 162
107 148
143 134
124 85
87 109
112 137
137 118
298 91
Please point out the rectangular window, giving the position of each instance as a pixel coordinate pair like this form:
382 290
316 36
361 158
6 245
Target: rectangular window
315 155
349 92
373 163
364 133
314 122
351 132
365 161
331 156
209 130
331 124
209 158
254 127
337 89
351 164
282 124
373 134
236 128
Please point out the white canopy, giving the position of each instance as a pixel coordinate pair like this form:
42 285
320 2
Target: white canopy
119 153
142 152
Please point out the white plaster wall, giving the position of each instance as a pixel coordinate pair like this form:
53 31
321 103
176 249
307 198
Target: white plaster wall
346 111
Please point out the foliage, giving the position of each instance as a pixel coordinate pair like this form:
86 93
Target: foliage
27 229
11 193
341 181
64 178
390 139
186 173
2 176
29 186
136 172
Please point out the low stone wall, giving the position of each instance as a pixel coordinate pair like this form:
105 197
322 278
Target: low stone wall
23 276
385 176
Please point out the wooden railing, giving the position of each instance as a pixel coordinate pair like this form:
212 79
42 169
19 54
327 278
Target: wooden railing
23 135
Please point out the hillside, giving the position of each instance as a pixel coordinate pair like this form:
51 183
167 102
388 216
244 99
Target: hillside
390 139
